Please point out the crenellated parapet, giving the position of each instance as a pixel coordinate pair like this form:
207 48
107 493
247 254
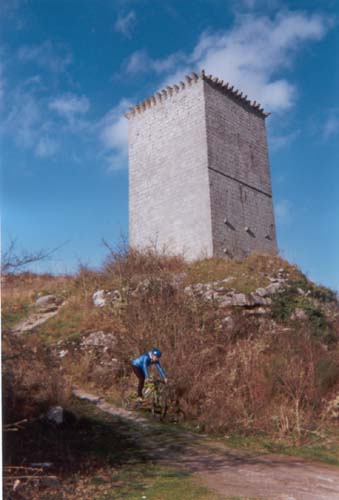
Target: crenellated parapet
191 79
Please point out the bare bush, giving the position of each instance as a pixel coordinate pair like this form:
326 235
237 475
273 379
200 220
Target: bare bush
32 380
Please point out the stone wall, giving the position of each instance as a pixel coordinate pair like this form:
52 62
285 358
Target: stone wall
240 186
199 172
169 202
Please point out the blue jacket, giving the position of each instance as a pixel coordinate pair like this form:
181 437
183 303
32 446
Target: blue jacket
144 361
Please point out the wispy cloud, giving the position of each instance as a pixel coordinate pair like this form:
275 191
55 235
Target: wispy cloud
331 125
23 120
257 4
140 62
47 55
71 107
278 142
113 134
46 147
126 23
251 55
2 85
283 211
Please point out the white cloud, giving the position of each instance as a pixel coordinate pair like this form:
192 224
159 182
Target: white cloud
140 62
331 126
125 24
47 55
46 147
2 86
23 120
70 107
278 142
113 130
283 211
251 55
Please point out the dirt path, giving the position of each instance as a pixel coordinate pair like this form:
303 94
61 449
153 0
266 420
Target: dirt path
35 319
227 471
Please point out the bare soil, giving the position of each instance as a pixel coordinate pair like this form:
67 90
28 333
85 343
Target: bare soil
229 471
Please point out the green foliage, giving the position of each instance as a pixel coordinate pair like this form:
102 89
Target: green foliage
284 303
323 294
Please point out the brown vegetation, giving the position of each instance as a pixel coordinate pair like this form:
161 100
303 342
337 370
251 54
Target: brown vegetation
230 369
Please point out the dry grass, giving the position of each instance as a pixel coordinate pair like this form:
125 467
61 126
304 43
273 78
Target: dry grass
269 373
248 274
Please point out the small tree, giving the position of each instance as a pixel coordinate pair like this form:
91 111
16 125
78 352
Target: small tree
14 259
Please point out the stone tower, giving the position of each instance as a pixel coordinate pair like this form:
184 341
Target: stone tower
199 179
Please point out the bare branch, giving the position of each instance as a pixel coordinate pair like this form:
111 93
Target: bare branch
15 260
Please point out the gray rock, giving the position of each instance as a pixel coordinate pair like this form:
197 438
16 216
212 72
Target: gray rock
46 300
262 292
99 339
274 288
240 299
257 300
226 302
55 414
99 299
299 314
86 396
228 321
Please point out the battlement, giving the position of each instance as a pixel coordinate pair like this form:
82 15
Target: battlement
192 78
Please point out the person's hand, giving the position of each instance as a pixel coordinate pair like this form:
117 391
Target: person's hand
166 380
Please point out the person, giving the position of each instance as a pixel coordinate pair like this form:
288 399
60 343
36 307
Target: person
140 368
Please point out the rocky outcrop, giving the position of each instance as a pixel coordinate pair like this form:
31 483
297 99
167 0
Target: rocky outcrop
219 292
47 303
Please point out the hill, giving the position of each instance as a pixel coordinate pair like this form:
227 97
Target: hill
249 345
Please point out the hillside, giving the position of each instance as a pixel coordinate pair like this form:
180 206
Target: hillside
249 347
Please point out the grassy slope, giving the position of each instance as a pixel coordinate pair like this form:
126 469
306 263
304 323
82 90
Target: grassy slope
79 317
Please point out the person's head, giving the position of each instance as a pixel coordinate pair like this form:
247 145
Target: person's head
155 354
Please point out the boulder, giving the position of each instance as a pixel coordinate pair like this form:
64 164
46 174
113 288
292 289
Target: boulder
274 288
55 414
240 299
299 314
47 303
262 292
45 300
99 299
99 339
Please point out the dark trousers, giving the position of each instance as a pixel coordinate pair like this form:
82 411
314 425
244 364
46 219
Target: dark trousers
141 377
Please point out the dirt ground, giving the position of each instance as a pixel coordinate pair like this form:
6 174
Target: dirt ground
231 472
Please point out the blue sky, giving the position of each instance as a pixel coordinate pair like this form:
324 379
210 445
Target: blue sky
70 68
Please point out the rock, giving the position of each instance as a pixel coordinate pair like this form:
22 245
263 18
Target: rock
226 280
226 301
99 299
274 288
240 299
99 339
62 353
299 314
332 408
258 300
47 303
86 396
45 300
257 310
55 414
262 292
228 321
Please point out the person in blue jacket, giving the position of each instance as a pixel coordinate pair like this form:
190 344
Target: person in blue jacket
140 368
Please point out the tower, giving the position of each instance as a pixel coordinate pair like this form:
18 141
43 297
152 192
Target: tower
199 179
